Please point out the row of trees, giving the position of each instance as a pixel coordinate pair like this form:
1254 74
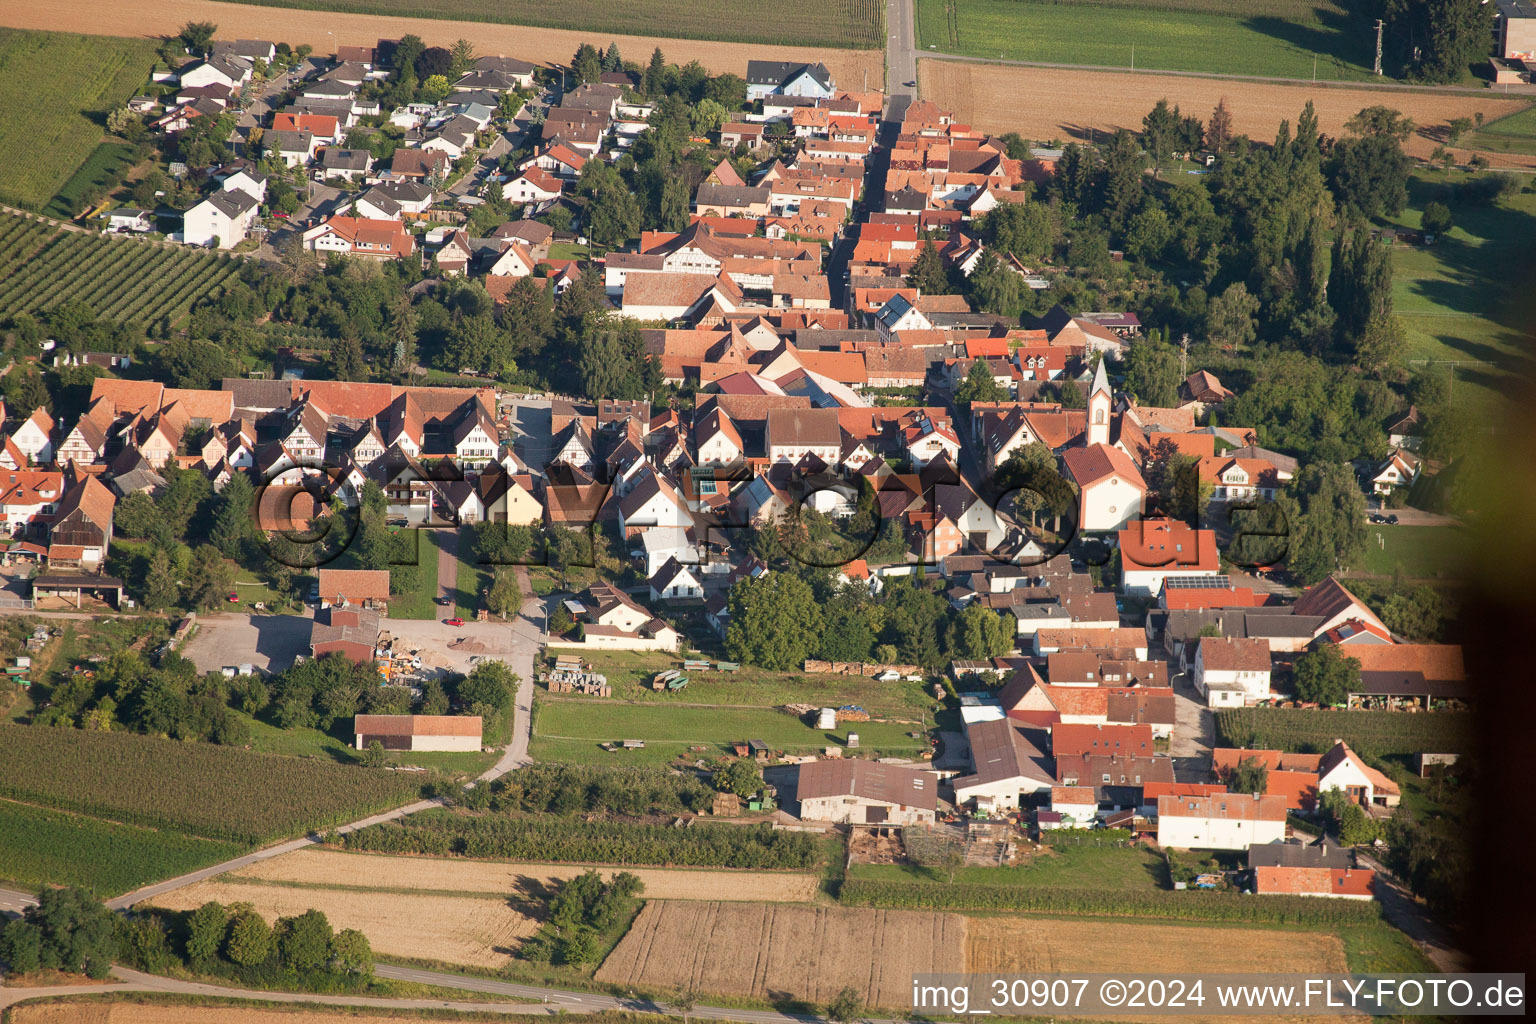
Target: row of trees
793 614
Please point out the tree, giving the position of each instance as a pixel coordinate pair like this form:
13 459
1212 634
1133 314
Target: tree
979 386
742 777
612 59
1369 175
407 51
402 335
136 516
1329 529
979 633
1152 372
1122 178
587 66
1160 132
1218 130
249 942
1250 776
161 590
463 55
1229 320
351 953
504 598
1436 218
122 120
195 364
846 1006
929 275
774 621
1439 40
708 116
1381 343
197 36
233 522
1016 146
491 683
304 942
1325 676
209 578
1022 229
67 930
654 77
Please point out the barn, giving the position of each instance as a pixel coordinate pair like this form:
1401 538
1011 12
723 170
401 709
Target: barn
418 732
866 793
353 632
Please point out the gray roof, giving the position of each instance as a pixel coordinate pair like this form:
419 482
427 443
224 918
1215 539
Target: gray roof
778 72
232 203
288 142
886 783
1001 749
1297 855
731 195
346 159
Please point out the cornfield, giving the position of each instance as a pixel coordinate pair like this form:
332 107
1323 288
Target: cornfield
600 842
1184 906
51 85
197 788
1374 733
119 278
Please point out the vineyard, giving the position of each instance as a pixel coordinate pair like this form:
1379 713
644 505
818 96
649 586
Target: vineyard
1373 733
537 839
40 847
55 89
119 278
199 788
850 24
1146 903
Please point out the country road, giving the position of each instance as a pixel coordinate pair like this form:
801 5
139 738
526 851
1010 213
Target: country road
540 1001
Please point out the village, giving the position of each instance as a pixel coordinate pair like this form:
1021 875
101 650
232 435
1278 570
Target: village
941 579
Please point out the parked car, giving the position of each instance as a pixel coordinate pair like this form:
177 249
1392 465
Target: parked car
453 622
1378 518
1392 519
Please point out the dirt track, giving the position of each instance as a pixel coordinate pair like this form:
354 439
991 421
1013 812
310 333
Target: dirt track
163 17
1052 103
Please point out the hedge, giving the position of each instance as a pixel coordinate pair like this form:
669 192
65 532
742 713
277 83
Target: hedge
1187 905
1369 733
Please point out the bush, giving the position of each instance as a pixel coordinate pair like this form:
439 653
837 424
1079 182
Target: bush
568 789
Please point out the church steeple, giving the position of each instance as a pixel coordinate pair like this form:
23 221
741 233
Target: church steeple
1100 400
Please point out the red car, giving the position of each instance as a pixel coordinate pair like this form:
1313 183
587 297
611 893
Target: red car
453 622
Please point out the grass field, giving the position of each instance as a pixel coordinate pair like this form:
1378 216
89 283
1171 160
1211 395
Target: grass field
1172 35
628 673
1109 867
1419 550
39 847
153 1008
55 93
840 23
1513 134
778 952
121 278
1465 299
196 788
570 730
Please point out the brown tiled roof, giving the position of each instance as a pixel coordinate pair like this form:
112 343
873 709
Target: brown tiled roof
1225 654
128 396
417 725
1223 807
354 585
887 783
214 406
91 497
1313 881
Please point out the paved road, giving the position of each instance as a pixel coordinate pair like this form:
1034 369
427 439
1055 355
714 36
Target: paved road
12 902
900 56
447 566
1409 916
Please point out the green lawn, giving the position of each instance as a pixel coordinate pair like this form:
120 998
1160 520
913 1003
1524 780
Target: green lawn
629 671
54 97
570 730
40 847
1282 41
1419 550
567 251
420 603
1460 299
1109 867
270 739
1515 133
472 581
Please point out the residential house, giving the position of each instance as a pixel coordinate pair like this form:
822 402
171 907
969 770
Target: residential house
28 499
1221 821
676 582
351 164
795 433
34 437
611 620
1342 769
1152 550
532 185
128 218
1231 672
355 236
82 526
222 220
788 78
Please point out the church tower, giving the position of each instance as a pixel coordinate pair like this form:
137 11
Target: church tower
1099 401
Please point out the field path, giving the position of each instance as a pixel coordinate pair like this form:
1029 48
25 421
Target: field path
325 29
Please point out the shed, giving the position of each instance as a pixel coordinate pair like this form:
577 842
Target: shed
418 732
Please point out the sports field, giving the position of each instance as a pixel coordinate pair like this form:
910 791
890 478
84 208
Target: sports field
1278 38
55 94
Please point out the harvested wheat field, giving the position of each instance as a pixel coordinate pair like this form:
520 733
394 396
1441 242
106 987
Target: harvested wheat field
474 932
811 953
242 21
1051 103
386 871
1049 945
145 1013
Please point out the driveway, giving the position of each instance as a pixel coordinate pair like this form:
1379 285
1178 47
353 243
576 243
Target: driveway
269 642
1194 730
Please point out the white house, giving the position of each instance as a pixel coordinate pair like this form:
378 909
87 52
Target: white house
1231 672
35 437
653 502
898 314
1221 821
1110 489
788 78
676 582
1076 806
1342 769
217 71
127 218
247 181
532 185
418 732
716 439
224 219
860 791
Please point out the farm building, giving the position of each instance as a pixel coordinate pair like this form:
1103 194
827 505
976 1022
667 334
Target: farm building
353 632
865 793
1339 883
1222 821
368 587
418 732
1006 765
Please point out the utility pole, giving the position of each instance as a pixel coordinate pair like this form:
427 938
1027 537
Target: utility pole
1378 45
1184 355
1314 69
